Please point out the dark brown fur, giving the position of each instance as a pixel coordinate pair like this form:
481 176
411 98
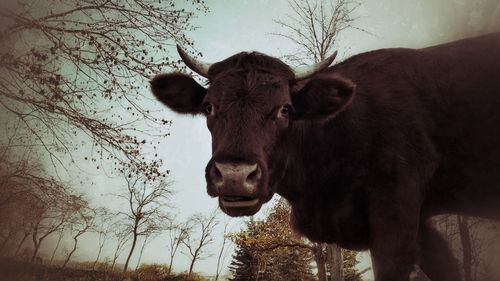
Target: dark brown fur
377 144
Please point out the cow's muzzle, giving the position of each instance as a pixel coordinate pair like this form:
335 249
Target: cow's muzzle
237 186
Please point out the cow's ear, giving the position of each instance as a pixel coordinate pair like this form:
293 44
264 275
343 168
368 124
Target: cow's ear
323 97
180 92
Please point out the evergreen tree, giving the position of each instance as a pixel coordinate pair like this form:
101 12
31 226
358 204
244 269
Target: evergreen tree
267 250
244 265
350 261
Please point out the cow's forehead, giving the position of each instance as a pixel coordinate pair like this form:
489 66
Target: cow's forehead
251 62
247 79
255 79
249 86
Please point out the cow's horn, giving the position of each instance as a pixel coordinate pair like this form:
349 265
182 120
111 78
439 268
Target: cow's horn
194 64
303 72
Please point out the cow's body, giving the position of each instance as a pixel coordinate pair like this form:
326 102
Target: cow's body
410 134
429 116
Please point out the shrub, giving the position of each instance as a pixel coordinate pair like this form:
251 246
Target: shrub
152 272
186 277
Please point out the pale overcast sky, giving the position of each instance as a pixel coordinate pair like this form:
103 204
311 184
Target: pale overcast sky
234 26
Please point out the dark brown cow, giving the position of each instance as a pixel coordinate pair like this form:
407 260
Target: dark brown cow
365 151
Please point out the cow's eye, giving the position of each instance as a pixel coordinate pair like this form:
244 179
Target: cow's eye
285 110
208 108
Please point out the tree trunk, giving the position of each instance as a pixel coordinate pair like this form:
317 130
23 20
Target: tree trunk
195 257
115 256
191 266
98 255
142 250
319 258
336 262
57 247
172 255
114 262
463 228
170 265
134 241
219 258
36 245
75 239
7 238
38 242
35 252
21 243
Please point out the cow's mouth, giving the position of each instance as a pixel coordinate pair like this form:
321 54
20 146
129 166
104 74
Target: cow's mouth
238 201
237 206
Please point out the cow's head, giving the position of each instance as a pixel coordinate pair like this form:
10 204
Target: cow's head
250 104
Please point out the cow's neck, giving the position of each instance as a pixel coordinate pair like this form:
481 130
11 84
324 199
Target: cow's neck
317 156
322 176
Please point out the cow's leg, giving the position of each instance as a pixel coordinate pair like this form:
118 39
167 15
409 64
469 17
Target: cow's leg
394 214
436 259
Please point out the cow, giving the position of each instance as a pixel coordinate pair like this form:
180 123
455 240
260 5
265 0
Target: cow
365 151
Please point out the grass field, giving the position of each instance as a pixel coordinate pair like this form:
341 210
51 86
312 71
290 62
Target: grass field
12 270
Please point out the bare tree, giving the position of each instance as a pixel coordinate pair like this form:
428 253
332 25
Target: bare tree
18 213
177 233
41 231
78 68
81 223
75 72
22 177
220 257
472 241
8 234
121 233
54 213
60 235
148 237
199 237
27 228
313 26
31 202
146 198
103 229
27 209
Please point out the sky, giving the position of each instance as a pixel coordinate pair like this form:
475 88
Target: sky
234 26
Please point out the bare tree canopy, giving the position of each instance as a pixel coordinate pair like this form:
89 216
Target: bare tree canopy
314 26
177 232
201 235
146 200
77 70
80 223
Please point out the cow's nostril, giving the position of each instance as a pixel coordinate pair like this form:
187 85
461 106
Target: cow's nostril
255 175
216 174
